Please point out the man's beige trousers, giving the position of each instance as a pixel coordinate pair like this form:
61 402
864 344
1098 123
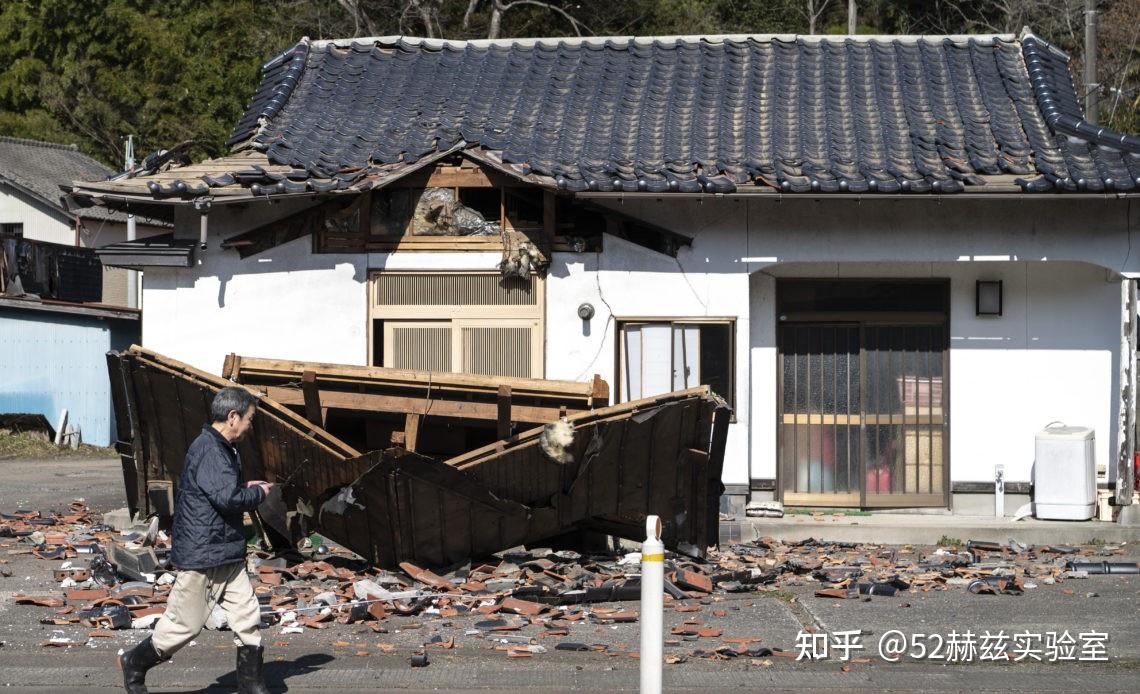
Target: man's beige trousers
193 598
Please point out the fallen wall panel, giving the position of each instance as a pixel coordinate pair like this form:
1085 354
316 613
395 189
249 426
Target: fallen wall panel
603 468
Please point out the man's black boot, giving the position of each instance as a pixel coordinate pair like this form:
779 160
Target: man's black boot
135 663
249 670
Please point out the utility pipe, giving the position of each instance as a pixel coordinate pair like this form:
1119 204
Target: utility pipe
132 275
652 606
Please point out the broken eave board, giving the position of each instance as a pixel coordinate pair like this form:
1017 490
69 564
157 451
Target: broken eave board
661 456
655 456
407 507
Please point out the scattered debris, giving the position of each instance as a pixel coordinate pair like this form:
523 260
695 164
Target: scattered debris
522 601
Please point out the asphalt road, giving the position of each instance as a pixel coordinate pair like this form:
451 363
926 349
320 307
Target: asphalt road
352 658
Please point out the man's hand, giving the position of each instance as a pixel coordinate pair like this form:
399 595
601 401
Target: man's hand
265 486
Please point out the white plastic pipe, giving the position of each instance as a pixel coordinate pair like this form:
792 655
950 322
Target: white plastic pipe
652 606
132 275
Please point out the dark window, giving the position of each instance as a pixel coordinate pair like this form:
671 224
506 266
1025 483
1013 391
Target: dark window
661 356
12 229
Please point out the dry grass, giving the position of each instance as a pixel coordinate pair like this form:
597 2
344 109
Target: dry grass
30 445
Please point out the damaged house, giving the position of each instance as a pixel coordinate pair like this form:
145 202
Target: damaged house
895 258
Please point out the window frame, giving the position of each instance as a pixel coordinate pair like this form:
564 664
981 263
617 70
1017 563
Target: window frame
457 317
673 322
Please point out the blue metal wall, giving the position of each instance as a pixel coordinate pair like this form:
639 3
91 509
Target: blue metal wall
51 361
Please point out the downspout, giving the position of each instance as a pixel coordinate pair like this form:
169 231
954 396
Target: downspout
202 205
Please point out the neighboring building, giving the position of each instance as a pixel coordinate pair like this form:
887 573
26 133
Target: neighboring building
55 359
31 204
898 258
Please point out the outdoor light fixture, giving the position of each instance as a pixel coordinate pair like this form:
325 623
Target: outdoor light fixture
586 311
988 298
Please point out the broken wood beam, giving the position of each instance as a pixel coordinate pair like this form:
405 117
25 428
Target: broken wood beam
412 430
312 395
504 414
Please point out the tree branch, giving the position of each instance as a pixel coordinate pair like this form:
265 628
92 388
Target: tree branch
574 23
471 8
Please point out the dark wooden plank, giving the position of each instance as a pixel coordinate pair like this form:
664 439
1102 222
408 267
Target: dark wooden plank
660 476
412 431
312 395
635 462
504 412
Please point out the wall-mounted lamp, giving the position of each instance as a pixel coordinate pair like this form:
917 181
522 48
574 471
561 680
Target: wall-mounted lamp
586 311
988 298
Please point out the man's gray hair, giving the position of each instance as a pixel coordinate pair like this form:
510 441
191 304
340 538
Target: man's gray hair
231 399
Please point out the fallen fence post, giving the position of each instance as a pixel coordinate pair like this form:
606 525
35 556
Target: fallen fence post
652 606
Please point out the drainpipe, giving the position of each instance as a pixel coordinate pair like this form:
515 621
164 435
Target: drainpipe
202 205
1091 85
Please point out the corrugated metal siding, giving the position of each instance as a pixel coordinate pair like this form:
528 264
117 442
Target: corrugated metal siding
54 361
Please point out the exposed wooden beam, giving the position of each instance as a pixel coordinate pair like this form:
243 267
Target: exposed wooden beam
412 430
504 414
403 405
312 396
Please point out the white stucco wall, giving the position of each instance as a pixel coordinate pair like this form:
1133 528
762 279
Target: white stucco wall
626 281
1051 356
284 303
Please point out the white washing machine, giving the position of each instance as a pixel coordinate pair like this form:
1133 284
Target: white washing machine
1064 473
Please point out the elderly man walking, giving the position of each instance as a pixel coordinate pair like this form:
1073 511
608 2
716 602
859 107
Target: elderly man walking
209 549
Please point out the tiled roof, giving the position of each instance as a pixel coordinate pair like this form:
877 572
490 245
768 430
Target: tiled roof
800 114
39 168
882 114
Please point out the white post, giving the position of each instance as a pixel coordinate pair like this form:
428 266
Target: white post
59 427
652 606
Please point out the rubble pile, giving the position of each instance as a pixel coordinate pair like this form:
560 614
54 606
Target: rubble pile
521 601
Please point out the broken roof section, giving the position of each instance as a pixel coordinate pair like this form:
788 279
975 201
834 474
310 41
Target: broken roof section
601 468
881 114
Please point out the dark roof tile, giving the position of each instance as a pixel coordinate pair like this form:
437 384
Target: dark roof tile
703 113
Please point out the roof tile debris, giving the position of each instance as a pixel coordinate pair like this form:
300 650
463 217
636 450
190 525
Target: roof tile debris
509 602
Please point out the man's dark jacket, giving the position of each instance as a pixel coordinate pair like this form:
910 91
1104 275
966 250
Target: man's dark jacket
211 500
